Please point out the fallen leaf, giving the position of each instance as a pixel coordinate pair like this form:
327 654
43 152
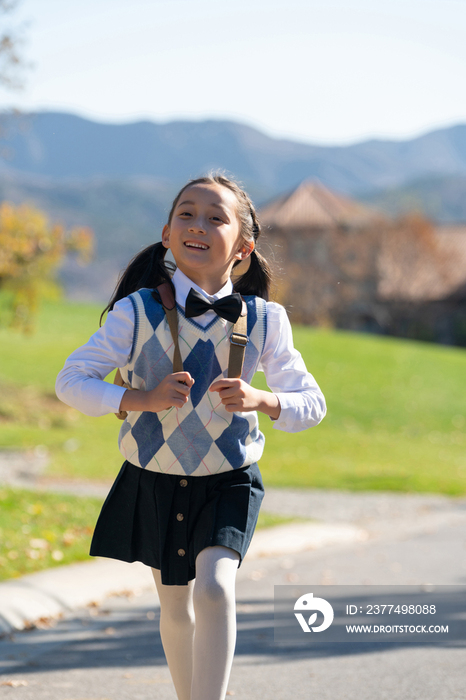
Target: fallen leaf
45 622
14 683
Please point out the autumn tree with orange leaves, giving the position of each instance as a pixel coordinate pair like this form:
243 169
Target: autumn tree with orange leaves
31 250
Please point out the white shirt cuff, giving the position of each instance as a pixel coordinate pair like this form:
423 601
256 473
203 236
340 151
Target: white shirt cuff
111 398
292 412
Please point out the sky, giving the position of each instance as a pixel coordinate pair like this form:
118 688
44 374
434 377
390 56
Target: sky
328 72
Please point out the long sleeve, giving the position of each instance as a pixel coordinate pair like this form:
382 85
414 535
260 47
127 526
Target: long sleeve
80 383
301 400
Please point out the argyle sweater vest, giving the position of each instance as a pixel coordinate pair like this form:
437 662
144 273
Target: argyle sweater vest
201 438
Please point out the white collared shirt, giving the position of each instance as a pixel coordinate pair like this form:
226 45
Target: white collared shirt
182 286
81 382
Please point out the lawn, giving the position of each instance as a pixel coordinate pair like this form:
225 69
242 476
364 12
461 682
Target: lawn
42 530
396 414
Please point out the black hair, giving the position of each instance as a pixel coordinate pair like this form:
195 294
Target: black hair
149 268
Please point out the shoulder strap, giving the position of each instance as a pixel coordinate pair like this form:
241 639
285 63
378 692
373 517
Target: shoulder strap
167 297
118 380
238 339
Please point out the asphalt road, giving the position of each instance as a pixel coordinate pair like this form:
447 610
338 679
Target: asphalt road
113 652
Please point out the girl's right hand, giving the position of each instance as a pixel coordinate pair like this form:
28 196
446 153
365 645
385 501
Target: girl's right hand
173 390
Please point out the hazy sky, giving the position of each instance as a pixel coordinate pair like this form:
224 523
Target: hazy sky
333 71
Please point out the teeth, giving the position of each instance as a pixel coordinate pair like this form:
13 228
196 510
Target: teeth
197 245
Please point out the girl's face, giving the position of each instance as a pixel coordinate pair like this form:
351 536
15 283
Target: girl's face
204 235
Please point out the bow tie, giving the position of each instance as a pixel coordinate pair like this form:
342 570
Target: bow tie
228 307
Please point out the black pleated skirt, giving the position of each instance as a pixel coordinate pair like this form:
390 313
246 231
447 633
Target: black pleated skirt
165 520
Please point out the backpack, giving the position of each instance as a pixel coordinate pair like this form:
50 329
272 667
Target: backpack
238 339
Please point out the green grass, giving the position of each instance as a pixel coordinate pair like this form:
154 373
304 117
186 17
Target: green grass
272 519
396 417
396 413
79 446
42 530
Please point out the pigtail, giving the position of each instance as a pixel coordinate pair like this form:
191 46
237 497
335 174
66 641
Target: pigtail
147 269
257 278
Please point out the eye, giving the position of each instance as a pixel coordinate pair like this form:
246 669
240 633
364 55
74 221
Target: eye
185 213
218 218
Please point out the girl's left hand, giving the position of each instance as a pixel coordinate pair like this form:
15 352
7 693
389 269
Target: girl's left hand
238 395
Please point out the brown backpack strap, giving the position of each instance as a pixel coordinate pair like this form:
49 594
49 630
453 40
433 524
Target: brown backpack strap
238 341
167 297
238 338
118 380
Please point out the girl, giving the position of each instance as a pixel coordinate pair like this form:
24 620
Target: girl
187 497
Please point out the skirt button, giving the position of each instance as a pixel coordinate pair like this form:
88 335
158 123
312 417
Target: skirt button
181 552
183 482
179 517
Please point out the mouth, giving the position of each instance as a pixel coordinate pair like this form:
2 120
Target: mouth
196 245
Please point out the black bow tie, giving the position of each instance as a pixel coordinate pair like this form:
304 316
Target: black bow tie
228 307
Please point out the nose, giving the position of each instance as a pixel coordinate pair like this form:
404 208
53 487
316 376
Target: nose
197 225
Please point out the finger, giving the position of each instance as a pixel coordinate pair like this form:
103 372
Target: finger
233 400
227 393
174 385
181 388
232 407
183 378
178 400
179 403
222 384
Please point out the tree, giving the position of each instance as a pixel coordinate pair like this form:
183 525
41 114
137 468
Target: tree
31 250
11 62
411 265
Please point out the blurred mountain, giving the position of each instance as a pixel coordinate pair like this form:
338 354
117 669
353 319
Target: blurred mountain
441 199
60 145
119 179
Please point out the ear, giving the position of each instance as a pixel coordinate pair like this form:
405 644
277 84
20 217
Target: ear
245 250
166 236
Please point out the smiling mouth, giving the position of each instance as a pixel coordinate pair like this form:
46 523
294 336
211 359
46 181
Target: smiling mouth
198 246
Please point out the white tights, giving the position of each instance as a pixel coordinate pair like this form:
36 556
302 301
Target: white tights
198 626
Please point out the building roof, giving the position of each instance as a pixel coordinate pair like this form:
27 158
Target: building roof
313 205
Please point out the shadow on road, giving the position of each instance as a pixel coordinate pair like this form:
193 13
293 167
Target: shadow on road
128 638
